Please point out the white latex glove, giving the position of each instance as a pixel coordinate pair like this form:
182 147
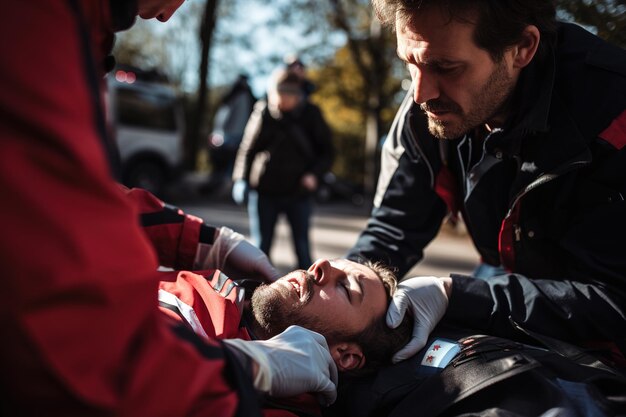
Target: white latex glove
236 257
427 298
291 363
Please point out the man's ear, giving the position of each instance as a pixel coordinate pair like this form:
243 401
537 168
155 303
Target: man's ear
347 356
524 51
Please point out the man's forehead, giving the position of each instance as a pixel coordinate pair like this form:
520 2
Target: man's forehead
435 38
348 265
367 278
438 16
424 55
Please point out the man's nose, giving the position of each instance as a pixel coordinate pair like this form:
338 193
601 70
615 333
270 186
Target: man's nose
425 86
322 271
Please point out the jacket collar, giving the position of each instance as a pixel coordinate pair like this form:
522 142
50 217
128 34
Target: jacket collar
531 101
534 96
542 133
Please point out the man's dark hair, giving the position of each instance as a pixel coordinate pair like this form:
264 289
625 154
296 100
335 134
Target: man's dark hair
378 341
499 23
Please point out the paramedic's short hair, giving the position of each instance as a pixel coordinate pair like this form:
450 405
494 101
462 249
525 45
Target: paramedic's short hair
499 23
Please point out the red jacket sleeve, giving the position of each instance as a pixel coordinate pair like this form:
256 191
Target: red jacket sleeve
81 331
174 235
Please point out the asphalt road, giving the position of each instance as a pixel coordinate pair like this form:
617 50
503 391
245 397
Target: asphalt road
335 228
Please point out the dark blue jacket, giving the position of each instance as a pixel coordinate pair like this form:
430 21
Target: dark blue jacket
545 199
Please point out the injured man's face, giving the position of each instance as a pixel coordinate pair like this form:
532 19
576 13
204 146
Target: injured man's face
340 299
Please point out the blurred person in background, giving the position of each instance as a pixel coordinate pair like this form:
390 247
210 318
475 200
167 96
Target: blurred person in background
229 123
285 151
294 64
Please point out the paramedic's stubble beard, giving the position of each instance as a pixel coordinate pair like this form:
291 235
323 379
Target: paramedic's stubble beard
489 103
276 307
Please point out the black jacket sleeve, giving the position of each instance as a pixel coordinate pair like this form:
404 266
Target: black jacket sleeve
322 139
249 143
407 212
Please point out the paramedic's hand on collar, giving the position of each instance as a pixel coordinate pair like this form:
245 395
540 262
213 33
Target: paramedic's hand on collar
427 297
292 363
236 257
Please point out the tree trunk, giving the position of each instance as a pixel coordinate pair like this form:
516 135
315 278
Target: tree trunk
372 124
195 133
367 59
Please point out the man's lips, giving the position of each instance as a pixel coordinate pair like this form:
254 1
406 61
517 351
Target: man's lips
438 114
296 285
297 281
438 109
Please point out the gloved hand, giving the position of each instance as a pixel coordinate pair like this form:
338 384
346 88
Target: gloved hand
291 363
236 257
240 192
427 298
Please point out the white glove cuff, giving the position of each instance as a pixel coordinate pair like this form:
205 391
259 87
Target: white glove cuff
263 378
442 287
224 244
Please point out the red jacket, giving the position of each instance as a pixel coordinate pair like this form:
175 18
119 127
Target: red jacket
211 305
81 331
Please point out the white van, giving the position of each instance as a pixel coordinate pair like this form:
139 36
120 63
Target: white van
148 124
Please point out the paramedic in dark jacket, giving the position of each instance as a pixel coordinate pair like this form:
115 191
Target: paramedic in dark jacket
518 123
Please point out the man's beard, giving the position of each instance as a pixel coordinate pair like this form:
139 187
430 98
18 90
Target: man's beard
274 309
488 102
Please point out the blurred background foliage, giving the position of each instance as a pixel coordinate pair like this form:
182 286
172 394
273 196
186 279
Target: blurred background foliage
350 59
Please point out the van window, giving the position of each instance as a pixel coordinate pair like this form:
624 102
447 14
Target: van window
146 110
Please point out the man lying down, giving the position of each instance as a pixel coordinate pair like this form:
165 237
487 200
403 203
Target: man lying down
457 373
344 301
